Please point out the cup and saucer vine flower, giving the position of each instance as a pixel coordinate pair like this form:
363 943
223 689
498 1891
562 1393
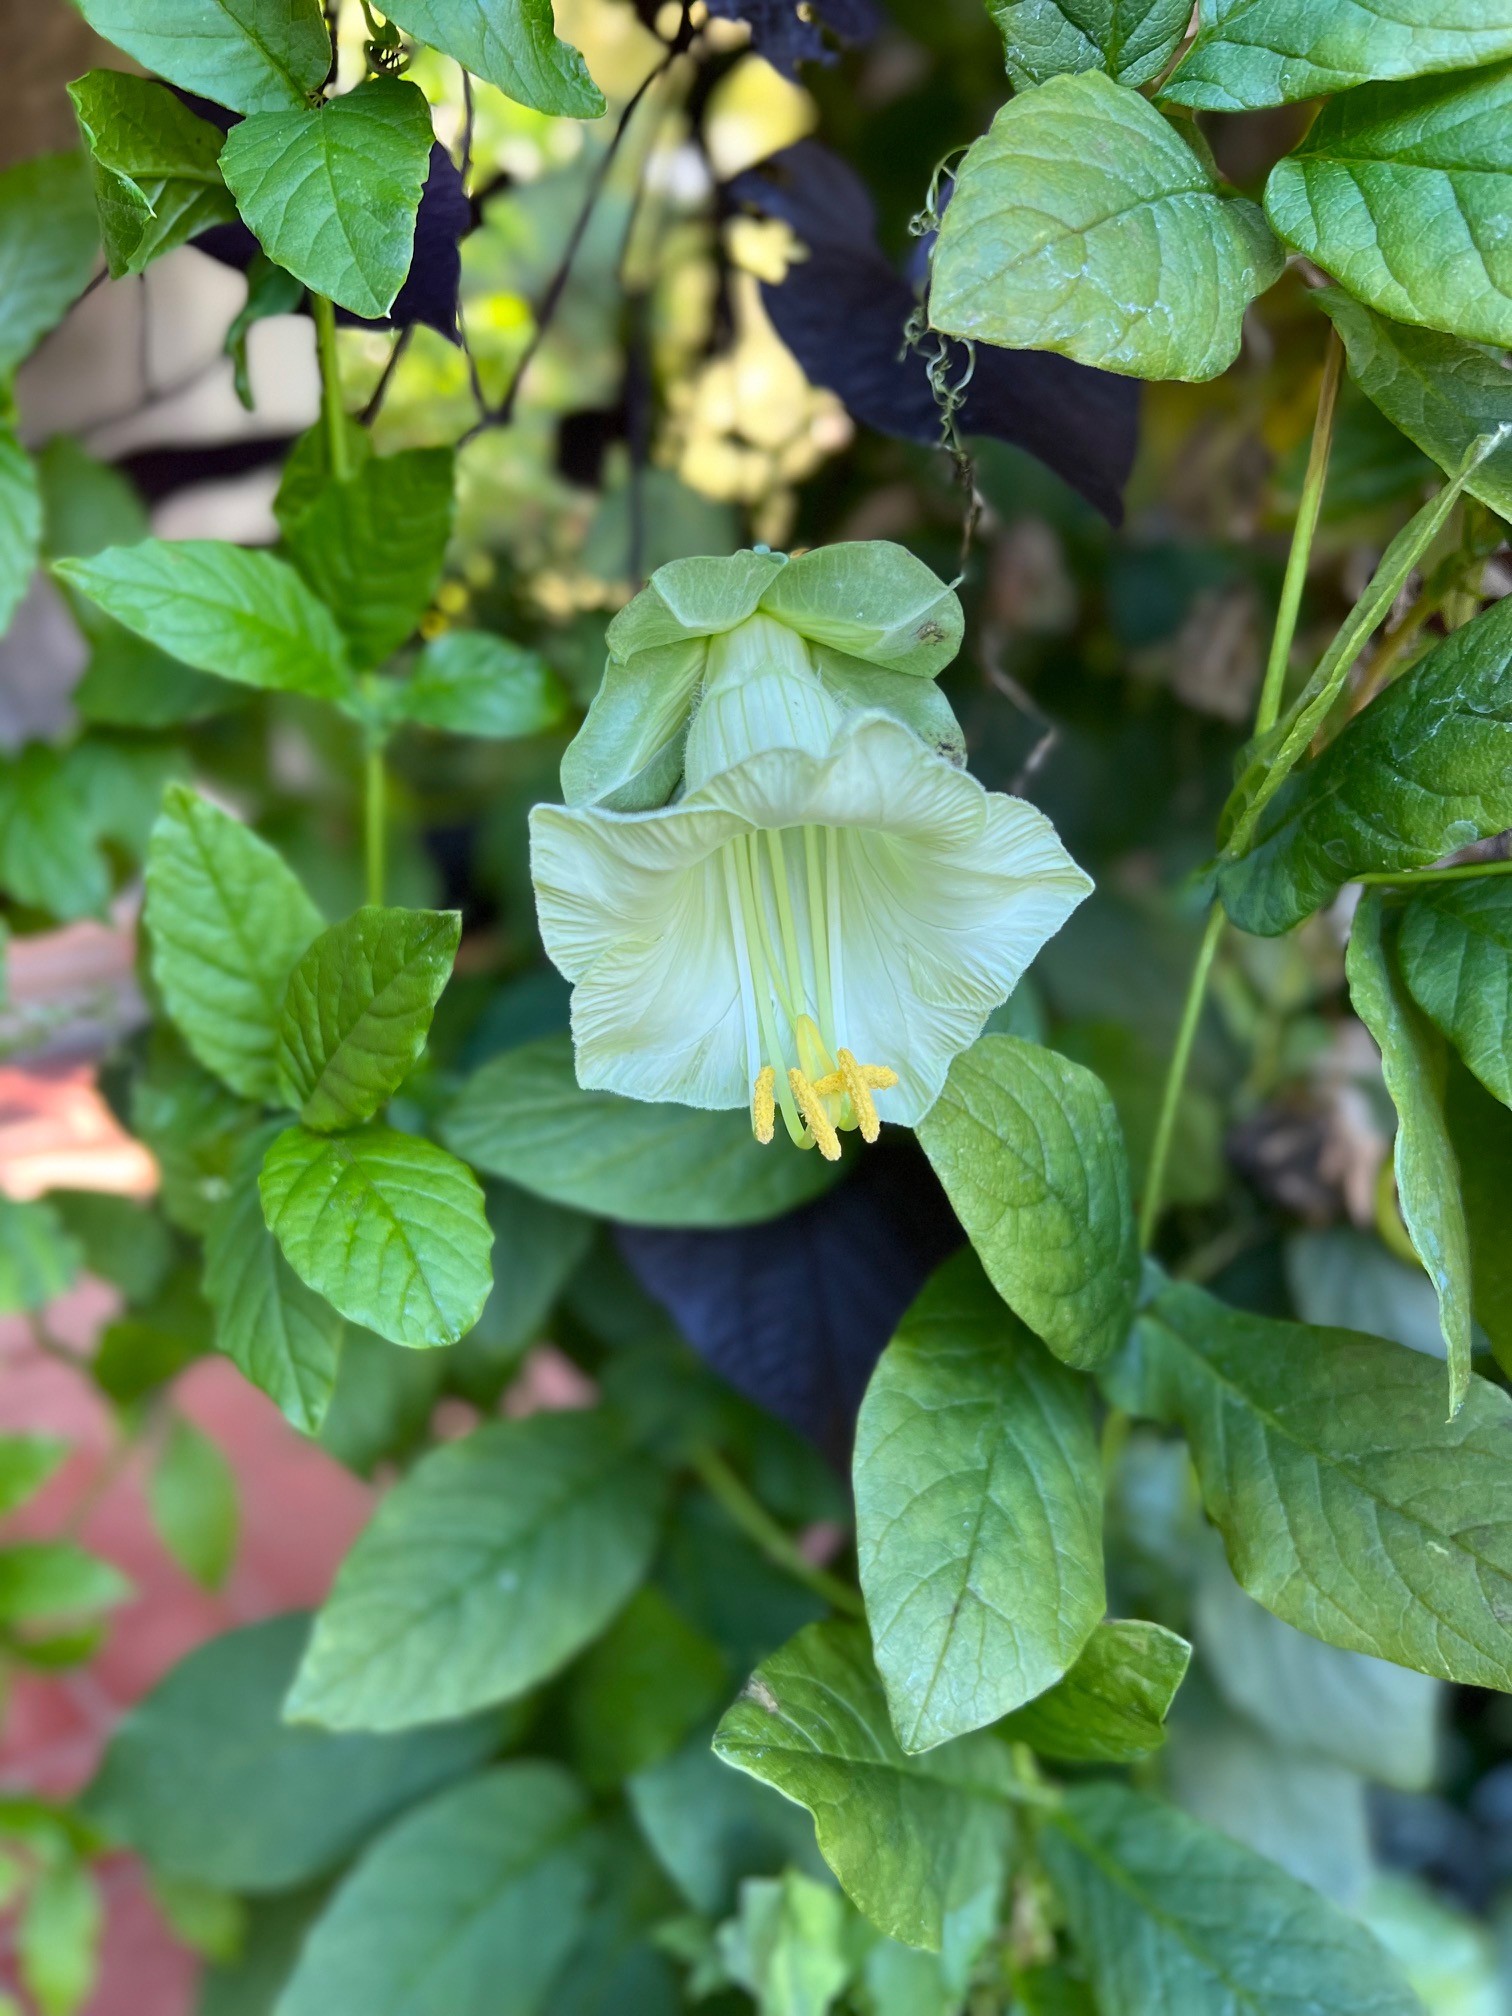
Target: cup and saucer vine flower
774 884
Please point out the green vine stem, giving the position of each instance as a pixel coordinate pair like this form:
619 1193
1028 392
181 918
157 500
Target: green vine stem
374 818
1269 710
754 1520
1267 713
1464 871
331 408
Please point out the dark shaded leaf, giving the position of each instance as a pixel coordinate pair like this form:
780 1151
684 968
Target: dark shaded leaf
788 33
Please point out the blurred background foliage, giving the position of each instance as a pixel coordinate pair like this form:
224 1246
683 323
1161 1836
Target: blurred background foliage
1108 674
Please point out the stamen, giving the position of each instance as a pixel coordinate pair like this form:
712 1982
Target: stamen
818 926
859 1092
764 1105
811 1106
786 924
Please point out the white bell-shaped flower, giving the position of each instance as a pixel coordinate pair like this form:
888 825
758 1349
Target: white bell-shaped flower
820 923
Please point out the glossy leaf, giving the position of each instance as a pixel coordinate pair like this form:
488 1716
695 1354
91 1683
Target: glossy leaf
1175 1920
49 238
20 523
524 1117
1112 1705
231 610
38 1259
1425 769
1348 1505
373 547
386 1226
331 194
208 1741
247 54
192 1497
1427 1170
1388 179
469 682
1456 957
284 1338
469 1905
1442 393
226 921
1132 40
978 1513
358 1010
1083 223
1369 1716
491 1564
511 43
157 177
920 1844
1031 1155
1250 53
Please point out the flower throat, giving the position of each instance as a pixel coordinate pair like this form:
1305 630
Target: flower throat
783 889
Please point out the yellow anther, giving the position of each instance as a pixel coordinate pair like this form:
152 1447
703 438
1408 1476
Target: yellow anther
811 1106
859 1092
764 1104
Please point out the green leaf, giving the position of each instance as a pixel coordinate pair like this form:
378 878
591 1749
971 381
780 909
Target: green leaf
1343 1495
358 1010
26 1463
1029 1149
45 1579
157 178
537 1249
710 1828
192 1496
208 1741
1424 770
978 1512
247 54
1427 1170
1082 222
511 43
372 547
1442 393
1481 1131
469 682
1371 1717
331 193
635 1695
790 1945
226 921
285 1339
384 1401
1173 1919
49 237
20 523
122 1242
239 613
468 1906
386 1226
193 1126
872 600
1112 1705
920 1844
1250 53
485 1570
38 1258
524 1117
270 291
1456 955
1387 178
49 858
1131 39
58 1938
